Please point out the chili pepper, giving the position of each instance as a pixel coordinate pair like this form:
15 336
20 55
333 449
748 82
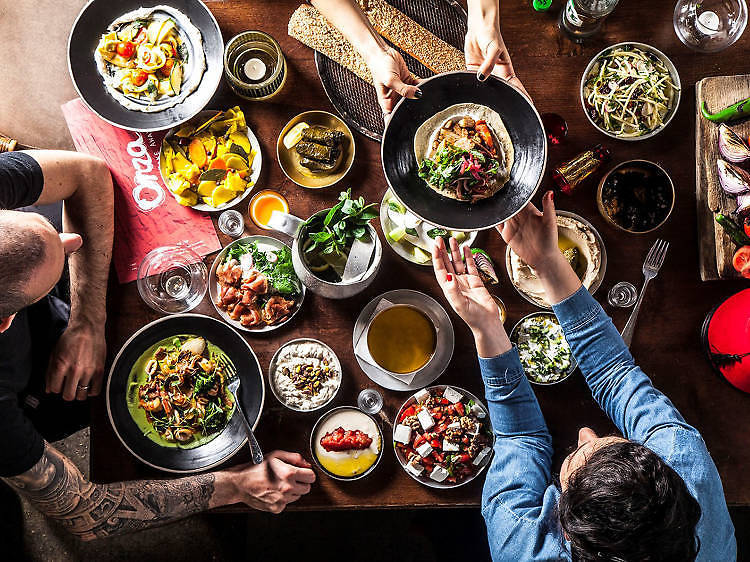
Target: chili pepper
733 230
738 110
484 132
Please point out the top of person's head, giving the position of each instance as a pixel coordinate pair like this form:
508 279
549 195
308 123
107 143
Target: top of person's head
626 504
31 258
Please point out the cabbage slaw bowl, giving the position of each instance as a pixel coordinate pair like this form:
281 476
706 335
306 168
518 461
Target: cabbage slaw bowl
674 75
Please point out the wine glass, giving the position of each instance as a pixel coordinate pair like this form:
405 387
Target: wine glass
709 26
172 279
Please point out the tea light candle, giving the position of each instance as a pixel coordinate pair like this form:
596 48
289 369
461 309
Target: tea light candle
255 69
709 22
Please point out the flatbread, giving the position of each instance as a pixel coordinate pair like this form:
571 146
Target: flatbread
429 129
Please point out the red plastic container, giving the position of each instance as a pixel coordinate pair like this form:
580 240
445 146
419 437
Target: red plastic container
726 339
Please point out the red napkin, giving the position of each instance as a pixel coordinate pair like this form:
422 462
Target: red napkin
146 214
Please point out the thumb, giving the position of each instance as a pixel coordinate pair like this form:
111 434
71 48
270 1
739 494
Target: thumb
488 64
405 90
295 459
550 216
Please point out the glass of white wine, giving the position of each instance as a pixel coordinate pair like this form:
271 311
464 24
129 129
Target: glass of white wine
709 26
172 279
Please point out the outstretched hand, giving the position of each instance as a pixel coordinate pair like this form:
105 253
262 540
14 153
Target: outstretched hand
392 79
533 235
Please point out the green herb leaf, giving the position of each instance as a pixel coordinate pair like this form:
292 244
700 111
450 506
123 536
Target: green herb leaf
213 175
237 149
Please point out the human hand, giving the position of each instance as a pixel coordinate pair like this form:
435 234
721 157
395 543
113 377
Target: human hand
485 52
392 79
533 235
282 478
463 287
76 367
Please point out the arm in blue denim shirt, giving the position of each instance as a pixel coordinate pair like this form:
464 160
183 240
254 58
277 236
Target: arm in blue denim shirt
647 416
516 505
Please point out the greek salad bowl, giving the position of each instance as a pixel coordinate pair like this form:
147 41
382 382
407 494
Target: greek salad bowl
630 91
443 436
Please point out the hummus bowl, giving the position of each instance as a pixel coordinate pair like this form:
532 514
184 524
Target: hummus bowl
579 240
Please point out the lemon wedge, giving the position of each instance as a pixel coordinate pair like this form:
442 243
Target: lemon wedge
294 135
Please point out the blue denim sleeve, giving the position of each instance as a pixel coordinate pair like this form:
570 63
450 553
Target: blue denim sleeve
517 501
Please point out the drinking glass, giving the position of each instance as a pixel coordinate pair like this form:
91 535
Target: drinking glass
709 26
172 279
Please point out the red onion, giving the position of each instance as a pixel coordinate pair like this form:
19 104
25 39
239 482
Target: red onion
743 204
733 179
732 146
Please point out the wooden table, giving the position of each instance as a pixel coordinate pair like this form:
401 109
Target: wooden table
666 343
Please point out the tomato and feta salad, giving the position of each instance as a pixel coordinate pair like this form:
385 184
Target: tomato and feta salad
443 436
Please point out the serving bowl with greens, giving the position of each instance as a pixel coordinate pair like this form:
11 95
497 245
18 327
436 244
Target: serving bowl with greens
630 91
253 284
336 252
545 354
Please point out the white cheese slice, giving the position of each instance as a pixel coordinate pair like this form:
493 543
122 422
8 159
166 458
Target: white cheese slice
422 395
452 395
424 450
402 434
439 474
450 447
425 419
477 410
474 430
479 459
415 469
454 425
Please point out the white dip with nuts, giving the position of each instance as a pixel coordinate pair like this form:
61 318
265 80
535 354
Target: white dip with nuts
306 375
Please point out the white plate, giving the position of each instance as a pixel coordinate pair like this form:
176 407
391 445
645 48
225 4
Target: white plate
264 243
426 480
403 248
204 116
443 348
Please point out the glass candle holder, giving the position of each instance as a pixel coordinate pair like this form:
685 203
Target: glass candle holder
254 65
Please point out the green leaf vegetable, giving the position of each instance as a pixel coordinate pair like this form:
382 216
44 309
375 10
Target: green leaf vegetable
280 273
345 222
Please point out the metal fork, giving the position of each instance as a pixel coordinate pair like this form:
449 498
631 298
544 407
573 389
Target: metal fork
233 387
651 267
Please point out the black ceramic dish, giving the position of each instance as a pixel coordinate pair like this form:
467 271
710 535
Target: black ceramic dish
526 132
232 437
88 28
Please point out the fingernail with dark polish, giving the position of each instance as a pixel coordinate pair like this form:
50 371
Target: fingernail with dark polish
418 93
481 77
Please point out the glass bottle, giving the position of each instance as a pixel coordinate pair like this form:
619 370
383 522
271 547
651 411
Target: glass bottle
569 174
581 19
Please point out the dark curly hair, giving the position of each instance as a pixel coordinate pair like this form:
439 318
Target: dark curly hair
626 504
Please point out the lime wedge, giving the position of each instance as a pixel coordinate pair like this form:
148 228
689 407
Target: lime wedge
397 234
420 255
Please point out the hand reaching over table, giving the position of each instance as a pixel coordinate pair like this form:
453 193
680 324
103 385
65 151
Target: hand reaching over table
469 297
76 367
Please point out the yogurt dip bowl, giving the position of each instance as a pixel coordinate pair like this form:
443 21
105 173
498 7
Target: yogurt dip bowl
305 375
351 464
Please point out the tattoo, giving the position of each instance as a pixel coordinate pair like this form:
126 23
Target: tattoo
89 511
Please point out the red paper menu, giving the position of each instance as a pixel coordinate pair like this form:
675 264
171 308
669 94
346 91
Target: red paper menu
146 214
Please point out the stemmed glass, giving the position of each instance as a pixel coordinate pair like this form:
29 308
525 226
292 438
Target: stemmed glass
709 26
172 279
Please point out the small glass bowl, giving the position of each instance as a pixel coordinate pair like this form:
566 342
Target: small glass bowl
172 279
237 48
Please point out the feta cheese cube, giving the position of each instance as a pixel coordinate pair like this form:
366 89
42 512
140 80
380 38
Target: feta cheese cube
425 419
477 410
450 447
474 430
422 395
424 449
454 425
415 469
452 395
402 434
439 474
483 454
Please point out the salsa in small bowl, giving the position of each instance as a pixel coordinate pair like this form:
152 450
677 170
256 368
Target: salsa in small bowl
545 354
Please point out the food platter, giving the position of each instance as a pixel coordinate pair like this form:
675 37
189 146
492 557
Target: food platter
550 319
180 459
525 130
251 178
87 30
264 244
484 461
443 349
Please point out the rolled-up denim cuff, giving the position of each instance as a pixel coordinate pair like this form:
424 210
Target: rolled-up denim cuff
576 310
502 369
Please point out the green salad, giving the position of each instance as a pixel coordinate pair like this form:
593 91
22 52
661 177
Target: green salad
542 348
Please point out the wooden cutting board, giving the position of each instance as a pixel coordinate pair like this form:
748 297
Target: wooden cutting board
716 248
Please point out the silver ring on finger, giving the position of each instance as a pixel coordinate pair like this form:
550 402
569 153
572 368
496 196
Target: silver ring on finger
82 387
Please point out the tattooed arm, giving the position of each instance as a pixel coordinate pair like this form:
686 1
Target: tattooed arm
58 489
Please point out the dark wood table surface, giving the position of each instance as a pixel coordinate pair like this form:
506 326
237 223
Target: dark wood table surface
666 344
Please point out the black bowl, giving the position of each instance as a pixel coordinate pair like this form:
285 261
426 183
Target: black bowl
232 437
88 28
439 92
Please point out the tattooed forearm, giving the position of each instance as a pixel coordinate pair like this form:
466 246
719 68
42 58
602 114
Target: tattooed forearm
58 489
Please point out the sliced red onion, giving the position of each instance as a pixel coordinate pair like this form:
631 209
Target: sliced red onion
732 146
743 204
733 179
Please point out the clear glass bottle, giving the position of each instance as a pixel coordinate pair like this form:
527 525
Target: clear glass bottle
581 19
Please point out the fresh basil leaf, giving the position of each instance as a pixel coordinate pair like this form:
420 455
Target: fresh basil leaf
349 207
332 213
435 232
359 232
412 231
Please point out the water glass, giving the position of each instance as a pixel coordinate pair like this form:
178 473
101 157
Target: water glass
172 279
709 25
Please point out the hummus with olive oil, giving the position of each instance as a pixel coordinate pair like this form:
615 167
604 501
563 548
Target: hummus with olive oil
573 236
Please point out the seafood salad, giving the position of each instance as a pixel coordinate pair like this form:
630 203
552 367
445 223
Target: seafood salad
184 395
146 61
442 436
257 287
464 152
